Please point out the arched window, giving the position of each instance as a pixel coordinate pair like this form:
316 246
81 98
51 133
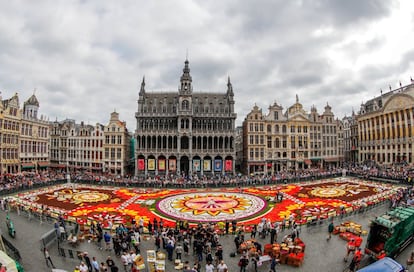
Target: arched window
269 128
185 105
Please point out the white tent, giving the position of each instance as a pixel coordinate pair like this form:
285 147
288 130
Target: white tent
8 262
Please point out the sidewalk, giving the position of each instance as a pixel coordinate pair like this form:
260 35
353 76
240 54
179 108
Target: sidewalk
320 255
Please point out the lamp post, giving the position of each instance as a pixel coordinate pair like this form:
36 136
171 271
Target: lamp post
67 172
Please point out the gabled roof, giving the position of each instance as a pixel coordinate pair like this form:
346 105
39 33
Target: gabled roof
32 101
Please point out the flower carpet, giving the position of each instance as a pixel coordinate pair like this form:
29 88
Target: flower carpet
114 205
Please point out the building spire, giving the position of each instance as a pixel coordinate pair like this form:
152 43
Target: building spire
142 90
186 79
229 87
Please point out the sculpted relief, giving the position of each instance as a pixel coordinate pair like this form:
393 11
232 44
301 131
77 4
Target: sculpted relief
398 103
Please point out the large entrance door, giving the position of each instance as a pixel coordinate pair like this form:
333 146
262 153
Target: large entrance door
184 165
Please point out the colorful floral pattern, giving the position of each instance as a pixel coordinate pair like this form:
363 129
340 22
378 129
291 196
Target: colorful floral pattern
211 207
113 205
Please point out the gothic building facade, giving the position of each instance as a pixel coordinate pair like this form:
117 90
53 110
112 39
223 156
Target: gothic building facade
185 133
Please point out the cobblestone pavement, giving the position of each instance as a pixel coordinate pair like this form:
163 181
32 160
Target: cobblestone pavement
320 255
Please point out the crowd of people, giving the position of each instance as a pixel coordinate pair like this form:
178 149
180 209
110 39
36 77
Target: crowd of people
26 180
202 241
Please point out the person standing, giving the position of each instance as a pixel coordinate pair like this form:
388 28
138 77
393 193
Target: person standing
255 260
294 234
253 233
227 226
83 267
273 264
222 267
125 261
87 260
47 258
273 236
243 263
179 251
234 226
330 230
186 245
103 267
170 249
110 262
95 264
356 259
157 242
107 238
209 267
350 247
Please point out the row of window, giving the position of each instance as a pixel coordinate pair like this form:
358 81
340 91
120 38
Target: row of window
389 132
185 106
171 142
113 153
196 124
10 153
113 139
83 132
256 154
258 127
26 130
33 147
85 154
9 125
12 139
387 157
300 141
390 118
79 143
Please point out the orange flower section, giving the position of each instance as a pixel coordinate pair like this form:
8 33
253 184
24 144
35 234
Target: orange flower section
88 203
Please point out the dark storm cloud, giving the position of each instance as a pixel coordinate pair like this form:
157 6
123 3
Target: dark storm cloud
90 56
353 11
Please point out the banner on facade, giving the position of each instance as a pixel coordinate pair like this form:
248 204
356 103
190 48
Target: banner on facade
151 164
196 165
206 165
141 164
228 166
161 165
218 165
172 165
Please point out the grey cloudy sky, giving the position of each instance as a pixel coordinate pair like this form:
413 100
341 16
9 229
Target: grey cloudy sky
87 58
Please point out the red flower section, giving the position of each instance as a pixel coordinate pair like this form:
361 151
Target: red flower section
111 206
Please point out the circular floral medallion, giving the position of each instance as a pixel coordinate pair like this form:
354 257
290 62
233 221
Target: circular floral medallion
89 197
211 207
328 192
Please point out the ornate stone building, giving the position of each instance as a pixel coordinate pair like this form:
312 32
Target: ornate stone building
185 132
385 127
350 130
291 140
76 146
116 146
10 123
34 137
